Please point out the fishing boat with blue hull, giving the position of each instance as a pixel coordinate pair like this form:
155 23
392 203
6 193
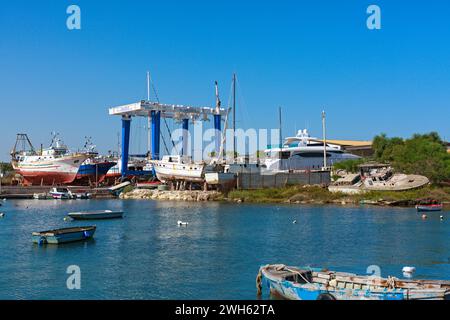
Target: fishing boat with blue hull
63 235
93 171
96 215
294 283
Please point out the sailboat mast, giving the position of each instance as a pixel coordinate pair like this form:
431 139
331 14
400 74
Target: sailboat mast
324 141
281 136
148 117
234 117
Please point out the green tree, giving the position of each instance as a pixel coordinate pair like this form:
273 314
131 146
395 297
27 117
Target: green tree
423 154
5 167
384 147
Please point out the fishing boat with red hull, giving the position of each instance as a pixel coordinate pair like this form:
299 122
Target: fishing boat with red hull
51 166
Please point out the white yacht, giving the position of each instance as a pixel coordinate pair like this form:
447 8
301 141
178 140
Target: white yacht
303 152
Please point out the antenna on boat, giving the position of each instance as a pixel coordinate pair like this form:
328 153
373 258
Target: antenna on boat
324 141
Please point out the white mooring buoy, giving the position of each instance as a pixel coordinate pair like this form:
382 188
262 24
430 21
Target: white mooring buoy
2 215
408 271
294 222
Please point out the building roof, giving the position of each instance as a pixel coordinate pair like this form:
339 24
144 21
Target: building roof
346 143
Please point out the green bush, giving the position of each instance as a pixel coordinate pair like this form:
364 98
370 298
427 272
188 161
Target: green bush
424 154
349 165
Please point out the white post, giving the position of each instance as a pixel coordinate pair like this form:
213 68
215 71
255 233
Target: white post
324 141
1 177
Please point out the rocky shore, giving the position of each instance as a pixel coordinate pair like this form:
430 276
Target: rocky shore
172 195
315 195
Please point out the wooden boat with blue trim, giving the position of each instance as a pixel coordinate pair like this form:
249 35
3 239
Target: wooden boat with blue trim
429 208
63 235
294 283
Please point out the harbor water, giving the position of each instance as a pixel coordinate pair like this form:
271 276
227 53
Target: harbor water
146 255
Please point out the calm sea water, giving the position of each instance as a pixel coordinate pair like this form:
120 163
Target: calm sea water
217 256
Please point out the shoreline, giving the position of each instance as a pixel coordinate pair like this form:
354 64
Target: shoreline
311 195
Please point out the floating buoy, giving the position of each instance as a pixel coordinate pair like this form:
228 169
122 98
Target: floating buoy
2 215
441 217
181 223
294 222
424 216
409 269
66 218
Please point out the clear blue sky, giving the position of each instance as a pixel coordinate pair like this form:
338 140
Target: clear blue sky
301 55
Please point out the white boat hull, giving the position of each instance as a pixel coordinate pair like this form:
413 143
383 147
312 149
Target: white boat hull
96 215
179 171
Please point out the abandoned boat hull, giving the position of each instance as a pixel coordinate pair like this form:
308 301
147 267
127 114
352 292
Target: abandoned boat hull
302 284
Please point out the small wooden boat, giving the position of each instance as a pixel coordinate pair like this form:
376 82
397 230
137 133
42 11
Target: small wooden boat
64 235
428 207
313 284
99 214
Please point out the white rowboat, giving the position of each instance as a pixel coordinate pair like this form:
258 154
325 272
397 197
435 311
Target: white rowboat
94 215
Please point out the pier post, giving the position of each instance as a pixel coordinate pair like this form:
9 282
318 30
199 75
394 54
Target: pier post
184 150
156 129
126 122
217 128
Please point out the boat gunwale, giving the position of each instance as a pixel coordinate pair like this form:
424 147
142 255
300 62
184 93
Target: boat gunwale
62 231
94 212
421 285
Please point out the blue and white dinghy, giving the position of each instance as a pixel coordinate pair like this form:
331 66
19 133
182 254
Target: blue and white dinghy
63 235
